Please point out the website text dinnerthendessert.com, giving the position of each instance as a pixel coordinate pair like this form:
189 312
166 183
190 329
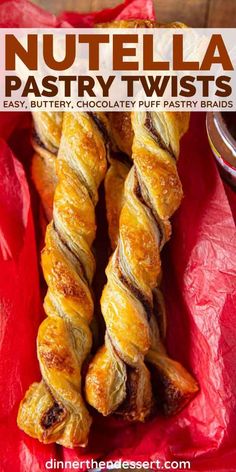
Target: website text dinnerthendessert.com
118 464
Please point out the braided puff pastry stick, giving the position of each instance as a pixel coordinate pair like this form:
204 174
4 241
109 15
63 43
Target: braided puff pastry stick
121 131
53 410
120 122
114 195
117 379
46 140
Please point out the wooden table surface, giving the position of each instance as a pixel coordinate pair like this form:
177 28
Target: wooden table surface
196 13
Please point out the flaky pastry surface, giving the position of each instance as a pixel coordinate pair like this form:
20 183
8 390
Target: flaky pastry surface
54 409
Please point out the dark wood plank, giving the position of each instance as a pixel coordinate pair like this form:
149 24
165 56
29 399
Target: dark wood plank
190 12
76 5
196 13
100 4
61 5
222 14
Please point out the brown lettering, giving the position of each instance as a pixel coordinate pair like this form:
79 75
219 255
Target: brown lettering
11 83
119 52
216 42
28 56
68 79
189 89
86 84
156 85
31 87
178 60
48 82
222 83
130 79
148 62
105 85
205 83
94 42
69 58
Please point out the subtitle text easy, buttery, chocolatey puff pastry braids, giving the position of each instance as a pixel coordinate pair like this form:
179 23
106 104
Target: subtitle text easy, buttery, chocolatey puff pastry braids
117 379
54 410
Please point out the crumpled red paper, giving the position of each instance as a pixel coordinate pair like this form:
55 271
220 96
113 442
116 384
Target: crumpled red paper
199 266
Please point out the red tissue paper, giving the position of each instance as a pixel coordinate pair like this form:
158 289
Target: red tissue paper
199 266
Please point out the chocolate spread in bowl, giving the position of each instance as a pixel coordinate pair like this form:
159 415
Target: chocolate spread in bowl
229 118
221 129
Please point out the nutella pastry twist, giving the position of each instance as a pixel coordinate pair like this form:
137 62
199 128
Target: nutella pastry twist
121 131
54 410
114 196
46 140
118 379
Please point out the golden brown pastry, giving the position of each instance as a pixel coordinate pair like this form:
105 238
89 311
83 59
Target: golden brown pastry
118 379
54 409
46 141
141 24
130 24
121 131
114 194
107 386
47 131
120 122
